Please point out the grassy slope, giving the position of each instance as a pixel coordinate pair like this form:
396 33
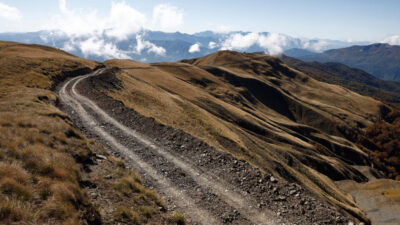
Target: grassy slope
260 110
42 156
351 78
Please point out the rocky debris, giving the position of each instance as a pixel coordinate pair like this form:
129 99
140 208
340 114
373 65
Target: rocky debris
288 200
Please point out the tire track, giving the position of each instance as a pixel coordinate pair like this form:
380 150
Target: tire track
198 215
245 205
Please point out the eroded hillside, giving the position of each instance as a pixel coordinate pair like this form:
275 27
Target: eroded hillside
260 110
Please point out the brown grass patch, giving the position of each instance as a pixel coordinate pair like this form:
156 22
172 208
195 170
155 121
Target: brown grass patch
42 156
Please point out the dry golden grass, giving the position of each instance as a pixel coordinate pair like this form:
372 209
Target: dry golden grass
127 215
39 173
258 109
176 218
41 153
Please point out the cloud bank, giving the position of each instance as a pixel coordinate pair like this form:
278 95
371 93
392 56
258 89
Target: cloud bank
167 18
147 45
272 43
99 36
315 45
392 40
212 45
9 13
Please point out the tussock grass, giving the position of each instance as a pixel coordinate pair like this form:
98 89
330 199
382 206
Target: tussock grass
42 157
131 185
146 211
13 210
38 162
176 218
11 187
128 185
127 215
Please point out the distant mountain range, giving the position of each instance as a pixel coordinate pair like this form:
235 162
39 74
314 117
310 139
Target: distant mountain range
154 46
380 60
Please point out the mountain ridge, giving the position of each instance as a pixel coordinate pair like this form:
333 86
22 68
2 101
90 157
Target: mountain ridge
351 78
380 59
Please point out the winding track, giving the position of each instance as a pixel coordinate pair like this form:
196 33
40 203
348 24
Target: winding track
92 116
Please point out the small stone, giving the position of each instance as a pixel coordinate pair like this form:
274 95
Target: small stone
108 177
273 179
280 198
102 157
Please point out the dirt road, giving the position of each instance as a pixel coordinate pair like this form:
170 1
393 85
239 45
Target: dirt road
208 186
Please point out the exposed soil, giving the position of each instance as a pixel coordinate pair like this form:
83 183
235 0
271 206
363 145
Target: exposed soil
203 181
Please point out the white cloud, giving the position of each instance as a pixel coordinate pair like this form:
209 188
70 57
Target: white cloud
212 45
75 23
194 48
98 36
98 47
151 48
392 40
239 41
272 42
316 46
9 13
167 18
124 21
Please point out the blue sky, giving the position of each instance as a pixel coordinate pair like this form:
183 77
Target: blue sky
367 20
